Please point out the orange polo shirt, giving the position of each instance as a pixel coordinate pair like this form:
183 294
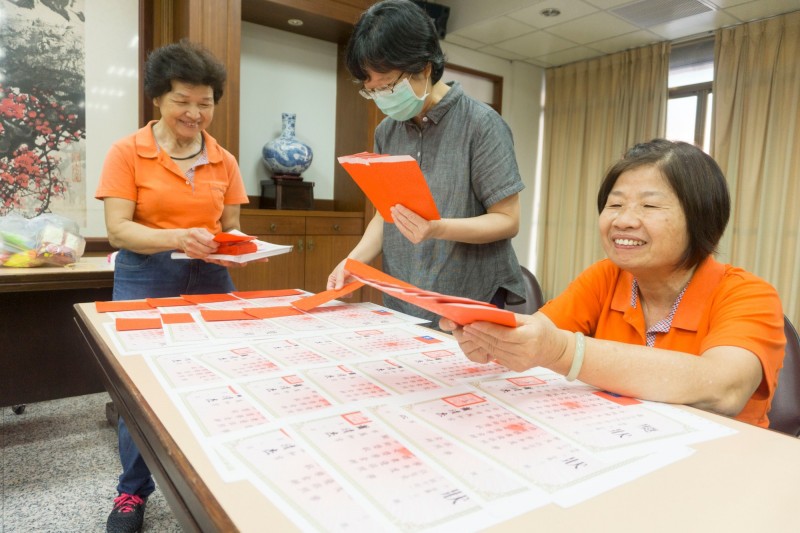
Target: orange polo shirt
722 306
135 169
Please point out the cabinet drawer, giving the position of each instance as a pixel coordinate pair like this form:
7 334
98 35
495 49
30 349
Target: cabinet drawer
273 225
334 226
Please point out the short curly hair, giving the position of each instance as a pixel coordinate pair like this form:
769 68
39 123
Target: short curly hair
183 61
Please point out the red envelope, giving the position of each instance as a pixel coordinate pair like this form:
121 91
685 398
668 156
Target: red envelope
135 324
177 318
223 237
237 248
459 310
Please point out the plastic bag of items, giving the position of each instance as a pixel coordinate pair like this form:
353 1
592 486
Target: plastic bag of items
48 239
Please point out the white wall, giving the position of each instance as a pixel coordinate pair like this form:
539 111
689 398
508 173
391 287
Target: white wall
281 71
112 90
284 72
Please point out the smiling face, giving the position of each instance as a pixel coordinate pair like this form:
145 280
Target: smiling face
642 225
187 109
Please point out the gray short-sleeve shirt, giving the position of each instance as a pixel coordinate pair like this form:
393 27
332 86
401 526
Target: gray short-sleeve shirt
466 153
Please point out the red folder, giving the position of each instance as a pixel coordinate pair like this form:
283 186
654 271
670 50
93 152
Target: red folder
389 180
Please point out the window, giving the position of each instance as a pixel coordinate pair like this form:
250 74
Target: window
691 71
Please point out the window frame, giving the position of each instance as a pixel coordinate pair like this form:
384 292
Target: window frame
701 91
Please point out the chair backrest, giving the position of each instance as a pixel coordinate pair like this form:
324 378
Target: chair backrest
784 416
533 295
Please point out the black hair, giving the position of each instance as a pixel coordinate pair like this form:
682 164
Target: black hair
698 183
186 62
394 35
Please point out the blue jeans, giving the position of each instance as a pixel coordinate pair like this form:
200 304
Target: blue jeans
139 276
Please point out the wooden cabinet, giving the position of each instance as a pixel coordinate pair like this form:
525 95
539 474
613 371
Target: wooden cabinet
320 239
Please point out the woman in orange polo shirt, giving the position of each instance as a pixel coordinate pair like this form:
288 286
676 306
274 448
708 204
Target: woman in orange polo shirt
167 187
659 319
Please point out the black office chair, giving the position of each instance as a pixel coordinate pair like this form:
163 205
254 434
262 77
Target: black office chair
784 416
533 295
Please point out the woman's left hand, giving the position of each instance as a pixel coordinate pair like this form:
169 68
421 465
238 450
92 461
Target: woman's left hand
413 227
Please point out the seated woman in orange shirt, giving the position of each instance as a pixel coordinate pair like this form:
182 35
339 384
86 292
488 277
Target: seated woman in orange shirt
659 319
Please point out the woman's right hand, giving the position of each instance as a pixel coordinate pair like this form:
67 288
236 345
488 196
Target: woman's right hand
536 341
338 277
197 243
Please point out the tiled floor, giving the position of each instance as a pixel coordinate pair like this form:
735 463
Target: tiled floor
59 467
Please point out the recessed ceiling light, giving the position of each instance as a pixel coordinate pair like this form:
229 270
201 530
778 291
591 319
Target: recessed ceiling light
550 12
295 22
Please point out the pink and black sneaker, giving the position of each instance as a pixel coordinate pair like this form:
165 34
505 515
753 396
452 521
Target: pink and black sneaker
127 515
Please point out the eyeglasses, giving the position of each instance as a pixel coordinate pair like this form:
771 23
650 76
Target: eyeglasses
386 90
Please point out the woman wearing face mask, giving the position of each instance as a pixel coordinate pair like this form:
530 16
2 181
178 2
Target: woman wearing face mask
466 153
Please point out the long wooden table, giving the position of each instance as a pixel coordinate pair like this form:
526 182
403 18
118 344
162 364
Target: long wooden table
42 354
741 483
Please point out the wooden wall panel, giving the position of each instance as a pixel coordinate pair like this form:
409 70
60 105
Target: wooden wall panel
215 24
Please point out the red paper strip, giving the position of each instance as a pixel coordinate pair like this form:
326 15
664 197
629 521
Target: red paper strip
272 312
207 298
219 315
167 302
121 305
320 298
266 293
616 398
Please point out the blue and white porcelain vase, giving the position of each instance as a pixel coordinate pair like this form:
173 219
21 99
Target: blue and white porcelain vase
286 156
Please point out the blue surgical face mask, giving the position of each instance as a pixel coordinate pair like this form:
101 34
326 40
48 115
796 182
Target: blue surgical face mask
402 103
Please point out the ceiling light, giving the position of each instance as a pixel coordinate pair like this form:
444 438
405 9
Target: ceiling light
295 22
550 12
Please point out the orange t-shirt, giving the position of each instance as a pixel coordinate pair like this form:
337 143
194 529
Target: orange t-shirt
135 169
722 306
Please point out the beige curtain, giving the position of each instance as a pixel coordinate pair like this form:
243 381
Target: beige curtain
756 141
594 110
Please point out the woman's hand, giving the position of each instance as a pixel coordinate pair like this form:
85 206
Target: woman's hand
197 243
338 278
534 342
413 227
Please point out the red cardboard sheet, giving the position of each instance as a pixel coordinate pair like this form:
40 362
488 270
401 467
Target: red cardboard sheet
459 310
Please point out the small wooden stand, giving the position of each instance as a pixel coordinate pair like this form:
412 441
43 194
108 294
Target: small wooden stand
287 192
